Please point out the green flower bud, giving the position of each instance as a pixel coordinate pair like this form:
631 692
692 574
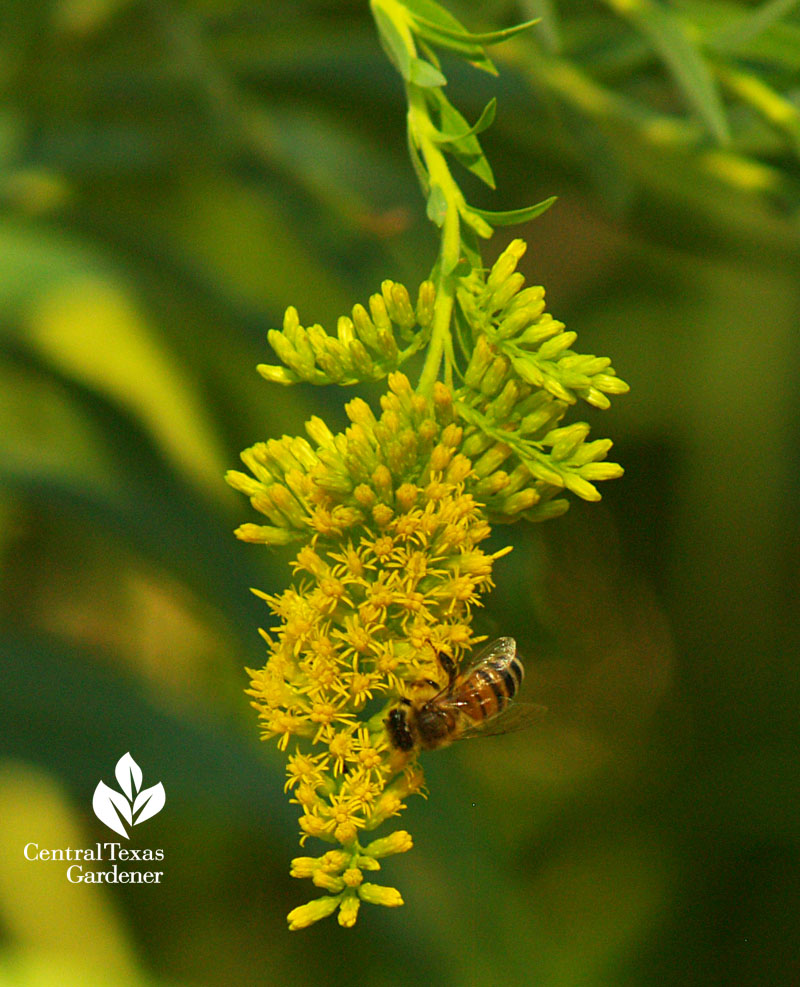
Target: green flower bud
546 327
376 894
492 485
345 331
360 360
277 375
500 409
388 347
610 384
243 483
573 380
524 500
425 303
364 327
601 471
493 378
397 842
263 534
527 368
379 312
506 264
399 304
548 510
551 348
591 451
492 459
581 487
596 398
544 472
480 361
313 911
558 390
566 440
319 432
505 292
291 320
513 324
531 299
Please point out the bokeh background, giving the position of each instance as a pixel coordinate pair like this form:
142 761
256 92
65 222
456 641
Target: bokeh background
173 174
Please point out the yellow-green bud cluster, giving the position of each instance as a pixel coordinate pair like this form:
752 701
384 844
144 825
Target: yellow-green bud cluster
345 480
367 346
341 875
521 378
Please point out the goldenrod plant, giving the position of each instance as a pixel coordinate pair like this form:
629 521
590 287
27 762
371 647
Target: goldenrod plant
389 517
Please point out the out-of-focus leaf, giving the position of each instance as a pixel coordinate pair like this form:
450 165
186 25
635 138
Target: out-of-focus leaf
83 321
90 329
423 74
684 60
69 730
543 12
751 24
75 453
393 44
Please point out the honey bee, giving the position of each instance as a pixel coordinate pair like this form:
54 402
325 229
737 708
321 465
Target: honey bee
464 707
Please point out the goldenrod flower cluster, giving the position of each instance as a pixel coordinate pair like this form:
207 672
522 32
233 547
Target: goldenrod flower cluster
389 516
386 578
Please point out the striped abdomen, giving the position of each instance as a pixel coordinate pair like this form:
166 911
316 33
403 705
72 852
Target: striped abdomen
489 687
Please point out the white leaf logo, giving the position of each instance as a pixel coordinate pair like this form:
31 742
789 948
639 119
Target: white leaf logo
133 805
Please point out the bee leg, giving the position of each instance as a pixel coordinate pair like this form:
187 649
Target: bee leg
448 666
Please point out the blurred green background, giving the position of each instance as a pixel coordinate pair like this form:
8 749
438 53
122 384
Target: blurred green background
172 176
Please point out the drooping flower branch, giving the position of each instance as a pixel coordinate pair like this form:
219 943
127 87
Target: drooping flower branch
389 515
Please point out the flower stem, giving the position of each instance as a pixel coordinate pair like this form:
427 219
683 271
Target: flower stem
422 133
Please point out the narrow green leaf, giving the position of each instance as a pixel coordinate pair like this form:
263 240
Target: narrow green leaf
545 12
751 25
437 25
393 43
683 59
474 54
513 216
485 120
468 151
484 38
435 16
478 164
423 74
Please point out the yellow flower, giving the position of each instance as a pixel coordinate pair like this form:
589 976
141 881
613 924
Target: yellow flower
386 579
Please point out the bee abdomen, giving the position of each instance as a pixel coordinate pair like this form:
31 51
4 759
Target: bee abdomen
488 690
512 673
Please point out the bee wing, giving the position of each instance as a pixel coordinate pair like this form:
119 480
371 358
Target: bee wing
516 717
502 647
